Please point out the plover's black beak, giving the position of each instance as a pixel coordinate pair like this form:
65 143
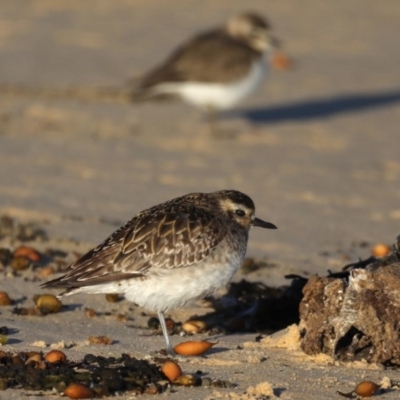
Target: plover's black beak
262 224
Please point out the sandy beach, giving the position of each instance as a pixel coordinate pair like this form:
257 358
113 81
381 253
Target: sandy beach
316 148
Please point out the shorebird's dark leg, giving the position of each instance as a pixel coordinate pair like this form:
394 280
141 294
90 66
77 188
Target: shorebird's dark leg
212 120
213 124
170 350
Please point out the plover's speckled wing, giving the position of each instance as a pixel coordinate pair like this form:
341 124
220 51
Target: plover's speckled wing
208 58
170 237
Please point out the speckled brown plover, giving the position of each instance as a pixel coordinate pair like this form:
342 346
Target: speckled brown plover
169 255
216 69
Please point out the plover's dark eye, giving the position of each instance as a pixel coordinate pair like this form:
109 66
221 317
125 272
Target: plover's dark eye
240 213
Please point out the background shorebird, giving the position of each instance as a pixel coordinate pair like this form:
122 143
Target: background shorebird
214 70
169 255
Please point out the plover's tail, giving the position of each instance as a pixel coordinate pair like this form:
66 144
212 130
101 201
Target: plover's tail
144 91
156 84
139 94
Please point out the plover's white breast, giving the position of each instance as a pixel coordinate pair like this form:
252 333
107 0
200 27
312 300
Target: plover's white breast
171 289
168 289
217 95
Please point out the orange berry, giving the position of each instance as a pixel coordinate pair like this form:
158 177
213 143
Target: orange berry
280 61
366 389
193 348
55 356
171 370
28 252
380 250
78 391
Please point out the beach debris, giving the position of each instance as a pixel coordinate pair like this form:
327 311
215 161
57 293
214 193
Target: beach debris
122 318
23 232
4 330
171 370
251 264
380 250
193 348
363 389
55 356
187 380
171 324
35 359
5 257
113 297
3 339
354 315
47 303
29 252
5 299
103 340
194 326
153 323
152 389
280 61
44 304
46 271
90 313
104 375
366 389
20 263
78 391
221 383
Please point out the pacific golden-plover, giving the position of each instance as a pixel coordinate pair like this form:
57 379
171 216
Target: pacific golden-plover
169 255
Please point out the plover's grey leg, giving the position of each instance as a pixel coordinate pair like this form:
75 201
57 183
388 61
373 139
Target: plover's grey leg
212 120
215 131
170 350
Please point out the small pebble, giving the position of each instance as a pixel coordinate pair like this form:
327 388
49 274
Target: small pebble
4 330
152 389
366 389
104 340
29 252
194 326
171 370
113 297
193 348
380 250
153 323
20 263
46 271
205 382
3 339
90 313
187 380
222 384
55 356
47 303
90 359
5 299
78 391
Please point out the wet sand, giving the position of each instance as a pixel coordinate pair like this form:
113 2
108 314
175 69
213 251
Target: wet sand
316 148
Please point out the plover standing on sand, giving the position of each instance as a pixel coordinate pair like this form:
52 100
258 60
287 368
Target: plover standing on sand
216 69
169 255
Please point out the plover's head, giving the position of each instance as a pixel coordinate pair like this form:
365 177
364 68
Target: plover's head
251 29
240 208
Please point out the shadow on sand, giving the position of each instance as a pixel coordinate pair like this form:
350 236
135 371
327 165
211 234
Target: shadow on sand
315 108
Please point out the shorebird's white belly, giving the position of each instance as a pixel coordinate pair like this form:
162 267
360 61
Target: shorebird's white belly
217 95
176 288
169 289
